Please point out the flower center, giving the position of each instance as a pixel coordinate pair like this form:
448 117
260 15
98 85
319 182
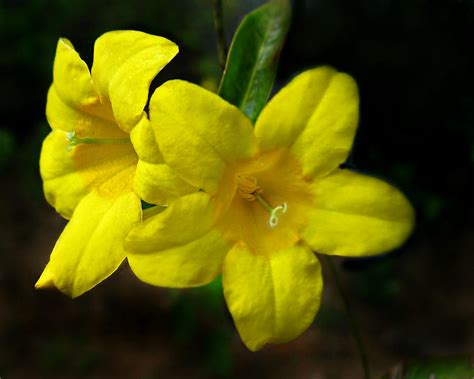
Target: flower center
248 189
256 194
74 141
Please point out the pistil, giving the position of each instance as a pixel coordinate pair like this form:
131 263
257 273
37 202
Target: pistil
274 212
74 140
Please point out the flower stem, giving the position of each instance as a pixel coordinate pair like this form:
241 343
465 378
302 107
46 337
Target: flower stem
219 25
364 361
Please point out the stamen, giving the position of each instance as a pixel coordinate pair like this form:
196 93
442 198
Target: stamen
247 187
274 212
74 140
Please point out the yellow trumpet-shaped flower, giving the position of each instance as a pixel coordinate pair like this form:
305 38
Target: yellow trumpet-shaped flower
88 162
264 199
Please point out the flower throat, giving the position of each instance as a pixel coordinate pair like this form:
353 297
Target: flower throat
248 189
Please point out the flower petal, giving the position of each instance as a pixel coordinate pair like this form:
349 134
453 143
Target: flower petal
62 183
69 174
90 248
357 215
274 298
86 121
125 63
198 133
46 279
185 220
144 143
159 184
178 247
192 264
71 77
155 181
315 116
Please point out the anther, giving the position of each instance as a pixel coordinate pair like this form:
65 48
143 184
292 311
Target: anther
74 140
248 187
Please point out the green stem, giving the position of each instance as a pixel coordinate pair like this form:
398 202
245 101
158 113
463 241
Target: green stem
263 203
100 141
219 25
350 316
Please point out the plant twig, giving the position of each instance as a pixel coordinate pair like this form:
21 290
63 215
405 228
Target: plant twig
350 317
219 25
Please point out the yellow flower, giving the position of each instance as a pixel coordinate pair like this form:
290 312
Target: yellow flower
263 200
87 162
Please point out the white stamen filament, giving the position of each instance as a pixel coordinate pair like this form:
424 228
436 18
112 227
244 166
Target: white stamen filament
74 140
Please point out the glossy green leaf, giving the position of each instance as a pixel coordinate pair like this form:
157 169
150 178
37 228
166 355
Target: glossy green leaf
447 368
253 57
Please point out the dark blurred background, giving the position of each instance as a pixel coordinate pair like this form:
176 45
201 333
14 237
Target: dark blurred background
413 61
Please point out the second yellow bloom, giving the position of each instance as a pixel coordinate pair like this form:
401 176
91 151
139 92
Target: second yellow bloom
87 162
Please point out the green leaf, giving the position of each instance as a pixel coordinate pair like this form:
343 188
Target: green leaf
447 368
253 57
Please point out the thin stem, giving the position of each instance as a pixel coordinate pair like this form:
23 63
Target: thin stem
350 316
264 203
219 25
74 141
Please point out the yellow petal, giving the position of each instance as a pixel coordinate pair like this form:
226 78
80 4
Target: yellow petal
69 174
286 115
178 247
62 183
272 298
185 220
71 77
198 133
159 184
357 215
192 264
125 63
155 182
90 248
144 143
86 121
46 279
315 116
